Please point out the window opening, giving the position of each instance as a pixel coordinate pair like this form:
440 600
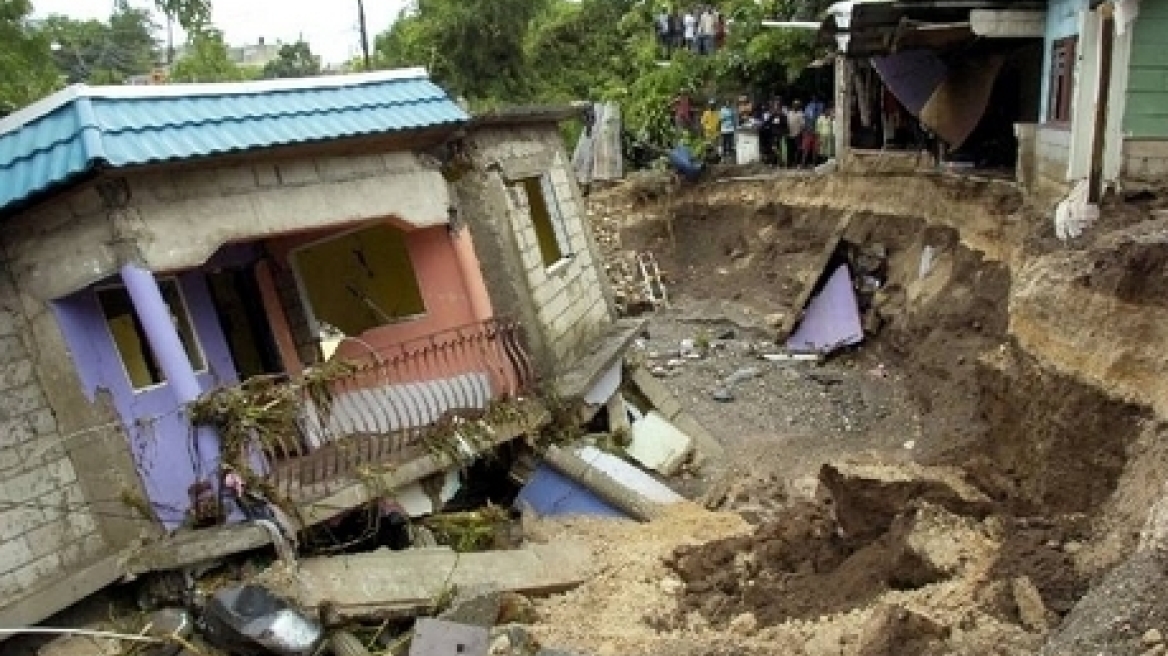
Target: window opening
130 337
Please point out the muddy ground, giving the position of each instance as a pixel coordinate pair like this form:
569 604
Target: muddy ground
941 488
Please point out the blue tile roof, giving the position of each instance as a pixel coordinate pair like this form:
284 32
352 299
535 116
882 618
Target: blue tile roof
81 127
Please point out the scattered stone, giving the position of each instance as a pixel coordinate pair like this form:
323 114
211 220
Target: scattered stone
893 630
671 585
742 375
722 394
910 445
515 608
477 606
1156 650
1151 637
775 320
1031 609
1073 547
744 624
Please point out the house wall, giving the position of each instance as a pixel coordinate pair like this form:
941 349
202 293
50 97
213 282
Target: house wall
1052 148
566 306
60 247
1145 120
64 470
435 263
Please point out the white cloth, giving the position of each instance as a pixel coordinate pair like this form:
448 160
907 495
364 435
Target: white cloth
706 24
795 122
691 26
1074 213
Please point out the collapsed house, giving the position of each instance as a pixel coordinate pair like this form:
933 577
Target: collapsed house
1058 94
295 287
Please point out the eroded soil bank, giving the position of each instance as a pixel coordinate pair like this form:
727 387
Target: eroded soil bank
1032 376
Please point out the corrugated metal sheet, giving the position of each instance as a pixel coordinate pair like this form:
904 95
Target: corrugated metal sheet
83 127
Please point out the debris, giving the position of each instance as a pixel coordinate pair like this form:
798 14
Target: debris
441 638
416 501
931 544
793 357
1075 213
722 394
169 622
744 624
385 584
1031 609
659 445
478 606
832 319
548 493
344 643
893 630
928 253
1152 637
628 475
601 484
654 286
867 497
250 620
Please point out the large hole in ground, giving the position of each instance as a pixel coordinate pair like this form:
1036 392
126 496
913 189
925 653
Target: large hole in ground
1041 451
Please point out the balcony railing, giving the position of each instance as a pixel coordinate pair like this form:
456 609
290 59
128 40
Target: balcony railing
327 425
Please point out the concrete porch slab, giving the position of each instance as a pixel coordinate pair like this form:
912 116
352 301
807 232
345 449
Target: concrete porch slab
387 584
582 375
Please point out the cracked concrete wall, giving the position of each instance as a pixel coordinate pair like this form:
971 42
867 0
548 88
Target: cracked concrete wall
60 247
567 304
64 468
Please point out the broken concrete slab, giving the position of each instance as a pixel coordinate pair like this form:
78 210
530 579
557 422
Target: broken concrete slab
601 484
667 404
629 476
868 496
832 319
441 638
399 584
816 267
479 606
416 501
659 445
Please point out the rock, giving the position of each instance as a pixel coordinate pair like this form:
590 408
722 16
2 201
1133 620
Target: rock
477 606
671 585
893 630
515 608
1031 609
722 394
930 543
1073 547
513 639
744 624
867 497
775 319
742 375
500 645
1152 637
1156 650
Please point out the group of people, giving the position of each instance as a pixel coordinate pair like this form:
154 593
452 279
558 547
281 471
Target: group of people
795 136
791 136
701 29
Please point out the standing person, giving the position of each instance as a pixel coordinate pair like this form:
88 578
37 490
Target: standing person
711 122
719 31
683 112
795 123
689 24
728 126
662 24
825 131
706 27
766 137
676 31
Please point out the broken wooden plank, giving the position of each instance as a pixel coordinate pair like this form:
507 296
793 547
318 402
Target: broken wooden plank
399 584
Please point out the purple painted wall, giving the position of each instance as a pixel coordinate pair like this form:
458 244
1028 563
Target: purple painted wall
161 440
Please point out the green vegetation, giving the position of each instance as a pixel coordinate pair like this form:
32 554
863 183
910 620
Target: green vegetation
500 52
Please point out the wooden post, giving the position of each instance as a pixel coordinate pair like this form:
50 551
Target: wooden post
1102 92
843 108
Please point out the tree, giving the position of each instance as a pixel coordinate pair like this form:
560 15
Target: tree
474 48
207 60
293 60
191 15
26 64
102 52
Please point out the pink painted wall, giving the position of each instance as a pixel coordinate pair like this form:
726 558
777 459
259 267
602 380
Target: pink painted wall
436 261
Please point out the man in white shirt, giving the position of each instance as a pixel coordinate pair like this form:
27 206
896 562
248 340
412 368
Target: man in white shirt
706 27
690 22
795 124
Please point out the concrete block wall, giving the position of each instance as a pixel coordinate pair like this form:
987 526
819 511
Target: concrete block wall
1145 159
568 299
47 527
1052 151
